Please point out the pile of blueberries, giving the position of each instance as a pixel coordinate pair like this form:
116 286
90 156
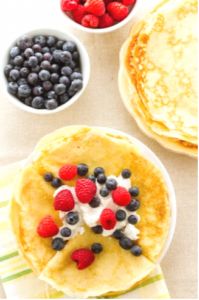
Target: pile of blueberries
44 72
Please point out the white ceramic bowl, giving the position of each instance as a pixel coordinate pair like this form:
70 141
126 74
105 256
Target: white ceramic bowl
85 65
118 25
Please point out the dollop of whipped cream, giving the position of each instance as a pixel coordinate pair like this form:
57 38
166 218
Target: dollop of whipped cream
90 216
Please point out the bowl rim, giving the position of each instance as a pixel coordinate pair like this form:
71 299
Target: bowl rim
132 13
84 58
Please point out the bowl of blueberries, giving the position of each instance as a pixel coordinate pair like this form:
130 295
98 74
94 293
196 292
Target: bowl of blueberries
45 71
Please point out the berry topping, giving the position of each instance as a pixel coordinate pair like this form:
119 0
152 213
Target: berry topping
120 215
125 243
72 218
96 248
97 229
98 171
128 2
90 21
108 219
118 234
133 205
95 202
79 13
82 169
132 219
64 201
126 173
85 190
95 7
136 250
117 10
58 244
68 172
48 177
83 257
111 184
56 182
104 192
134 191
47 227
101 178
69 5
121 196
105 21
65 232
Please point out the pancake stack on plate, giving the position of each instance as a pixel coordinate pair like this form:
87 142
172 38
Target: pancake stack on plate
158 76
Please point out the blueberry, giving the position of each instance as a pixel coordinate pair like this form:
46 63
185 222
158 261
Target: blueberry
32 61
26 64
18 60
104 192
28 52
51 104
67 71
45 50
12 88
101 178
95 202
72 218
45 64
54 78
134 191
133 205
111 184
59 44
51 40
69 46
58 244
75 56
97 229
25 42
65 57
28 101
38 90
65 232
47 85
126 243
57 55
14 75
96 248
18 68
24 72
98 171
82 169
56 182
36 47
77 70
22 81
76 75
38 102
47 56
36 69
72 64
40 39
14 51
136 250
60 88
51 95
75 86
126 173
44 75
7 70
118 234
39 56
54 68
33 78
120 215
92 178
132 219
63 98
48 177
64 80
24 91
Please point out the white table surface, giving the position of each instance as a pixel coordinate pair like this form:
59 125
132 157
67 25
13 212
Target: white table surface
100 105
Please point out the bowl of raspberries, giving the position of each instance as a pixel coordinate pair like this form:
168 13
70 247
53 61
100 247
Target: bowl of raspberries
98 16
45 71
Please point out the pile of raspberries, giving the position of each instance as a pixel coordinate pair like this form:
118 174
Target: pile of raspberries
97 13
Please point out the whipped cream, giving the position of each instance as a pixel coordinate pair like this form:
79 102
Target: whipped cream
90 216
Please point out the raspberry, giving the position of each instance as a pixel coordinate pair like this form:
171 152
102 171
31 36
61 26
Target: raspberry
47 227
69 5
108 219
83 257
117 10
121 196
64 201
68 172
106 21
78 13
85 190
90 21
128 2
95 7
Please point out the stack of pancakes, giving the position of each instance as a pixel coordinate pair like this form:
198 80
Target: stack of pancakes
158 76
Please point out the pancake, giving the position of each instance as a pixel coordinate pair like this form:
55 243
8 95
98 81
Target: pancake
162 77
115 269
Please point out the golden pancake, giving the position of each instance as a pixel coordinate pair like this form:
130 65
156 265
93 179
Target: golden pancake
115 269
